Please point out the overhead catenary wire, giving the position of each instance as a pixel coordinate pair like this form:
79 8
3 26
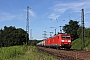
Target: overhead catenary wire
80 16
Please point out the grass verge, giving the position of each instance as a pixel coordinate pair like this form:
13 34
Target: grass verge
76 44
13 51
20 53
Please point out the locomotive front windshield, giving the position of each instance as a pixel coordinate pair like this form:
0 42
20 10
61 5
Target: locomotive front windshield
65 37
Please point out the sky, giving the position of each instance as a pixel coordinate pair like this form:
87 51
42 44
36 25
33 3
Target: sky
43 14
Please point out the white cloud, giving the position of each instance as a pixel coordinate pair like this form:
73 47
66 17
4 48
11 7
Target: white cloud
76 6
60 8
8 16
4 16
32 13
20 17
54 16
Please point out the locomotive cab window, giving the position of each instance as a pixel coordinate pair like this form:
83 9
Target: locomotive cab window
68 37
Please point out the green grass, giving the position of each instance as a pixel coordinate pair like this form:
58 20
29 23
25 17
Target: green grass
22 53
33 54
76 44
10 52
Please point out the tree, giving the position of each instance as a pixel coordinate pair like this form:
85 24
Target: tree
87 32
10 36
79 32
1 38
71 28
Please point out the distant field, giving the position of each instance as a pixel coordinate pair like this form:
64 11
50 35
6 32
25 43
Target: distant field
77 44
22 53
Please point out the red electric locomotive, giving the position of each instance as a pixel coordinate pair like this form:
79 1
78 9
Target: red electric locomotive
47 42
60 40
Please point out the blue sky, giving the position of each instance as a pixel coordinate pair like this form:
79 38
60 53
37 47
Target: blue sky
43 14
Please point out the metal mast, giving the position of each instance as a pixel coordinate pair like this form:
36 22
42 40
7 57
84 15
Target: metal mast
55 31
27 25
82 22
45 33
60 29
51 34
31 34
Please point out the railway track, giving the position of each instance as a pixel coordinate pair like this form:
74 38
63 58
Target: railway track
66 54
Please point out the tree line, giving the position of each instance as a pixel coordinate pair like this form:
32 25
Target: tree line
10 36
75 30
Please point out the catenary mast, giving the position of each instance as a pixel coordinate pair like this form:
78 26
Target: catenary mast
82 22
27 25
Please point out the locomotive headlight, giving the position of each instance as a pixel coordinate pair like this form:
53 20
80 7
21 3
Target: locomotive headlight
62 40
69 40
